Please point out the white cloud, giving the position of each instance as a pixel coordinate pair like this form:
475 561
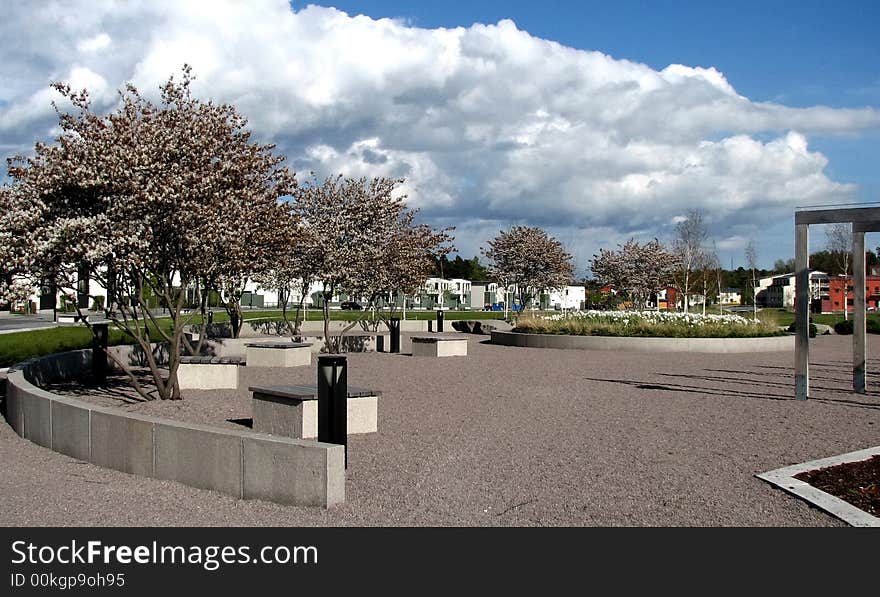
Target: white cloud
488 124
93 44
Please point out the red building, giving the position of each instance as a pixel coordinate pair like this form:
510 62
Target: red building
840 293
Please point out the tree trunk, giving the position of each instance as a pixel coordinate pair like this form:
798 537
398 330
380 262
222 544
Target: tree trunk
704 297
685 290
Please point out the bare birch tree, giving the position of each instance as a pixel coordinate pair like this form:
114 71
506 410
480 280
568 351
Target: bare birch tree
718 275
752 262
690 234
838 241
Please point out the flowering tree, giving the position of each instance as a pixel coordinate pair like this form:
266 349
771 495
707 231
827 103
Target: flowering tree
409 253
366 243
148 200
638 270
530 259
18 216
293 270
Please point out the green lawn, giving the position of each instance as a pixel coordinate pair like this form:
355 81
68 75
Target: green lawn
784 317
19 346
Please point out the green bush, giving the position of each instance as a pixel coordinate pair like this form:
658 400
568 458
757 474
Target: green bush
844 328
813 329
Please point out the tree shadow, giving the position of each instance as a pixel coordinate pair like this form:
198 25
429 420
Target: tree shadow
713 391
772 384
117 387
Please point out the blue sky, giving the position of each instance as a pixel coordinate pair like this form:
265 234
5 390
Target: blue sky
598 121
801 53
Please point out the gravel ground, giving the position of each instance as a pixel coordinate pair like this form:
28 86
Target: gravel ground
513 437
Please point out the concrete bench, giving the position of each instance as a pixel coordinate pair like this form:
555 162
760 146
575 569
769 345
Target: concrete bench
278 354
438 346
292 410
208 373
69 318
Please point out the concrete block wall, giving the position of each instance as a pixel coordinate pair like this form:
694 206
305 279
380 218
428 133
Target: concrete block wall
244 464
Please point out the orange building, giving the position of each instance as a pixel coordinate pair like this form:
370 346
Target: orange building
840 293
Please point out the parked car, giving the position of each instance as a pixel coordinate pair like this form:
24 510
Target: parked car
351 306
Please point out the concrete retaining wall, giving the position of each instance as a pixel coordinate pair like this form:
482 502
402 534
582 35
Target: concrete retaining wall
710 345
243 463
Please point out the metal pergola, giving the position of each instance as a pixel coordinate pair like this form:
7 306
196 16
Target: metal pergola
863 219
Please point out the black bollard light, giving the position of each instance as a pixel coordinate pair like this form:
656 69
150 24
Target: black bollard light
394 328
332 401
100 334
439 320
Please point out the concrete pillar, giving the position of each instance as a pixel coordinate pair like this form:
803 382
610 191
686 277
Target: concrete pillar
802 312
859 345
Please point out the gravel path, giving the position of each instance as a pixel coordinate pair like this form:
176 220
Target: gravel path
513 436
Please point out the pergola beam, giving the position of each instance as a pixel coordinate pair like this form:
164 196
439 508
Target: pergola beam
855 215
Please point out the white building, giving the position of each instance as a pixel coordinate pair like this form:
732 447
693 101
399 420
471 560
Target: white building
779 293
484 294
730 296
569 297
461 290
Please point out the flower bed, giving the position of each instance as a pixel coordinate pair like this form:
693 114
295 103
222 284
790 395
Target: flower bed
647 324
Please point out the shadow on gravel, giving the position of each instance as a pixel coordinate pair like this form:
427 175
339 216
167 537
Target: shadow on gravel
691 389
711 391
770 384
117 387
249 423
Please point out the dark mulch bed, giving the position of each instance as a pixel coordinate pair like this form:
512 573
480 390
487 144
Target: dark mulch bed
857 483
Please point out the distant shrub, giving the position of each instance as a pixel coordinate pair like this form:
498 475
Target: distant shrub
813 329
844 328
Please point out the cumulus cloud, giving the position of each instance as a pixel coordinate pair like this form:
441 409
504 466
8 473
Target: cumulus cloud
488 124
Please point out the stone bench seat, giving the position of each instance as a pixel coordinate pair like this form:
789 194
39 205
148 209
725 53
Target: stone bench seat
208 373
70 318
439 346
210 360
292 410
278 354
